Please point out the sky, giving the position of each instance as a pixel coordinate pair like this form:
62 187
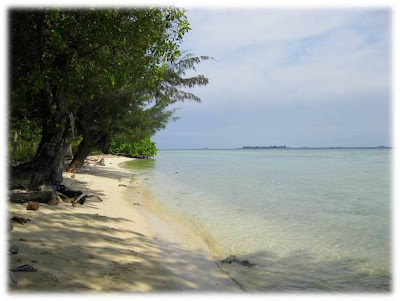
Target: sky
290 76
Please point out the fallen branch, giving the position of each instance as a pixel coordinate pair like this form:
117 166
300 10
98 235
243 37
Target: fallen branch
101 162
68 192
63 196
38 196
81 199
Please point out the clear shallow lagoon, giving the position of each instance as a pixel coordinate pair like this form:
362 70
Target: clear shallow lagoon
310 220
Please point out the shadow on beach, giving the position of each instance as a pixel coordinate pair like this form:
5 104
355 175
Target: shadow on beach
78 251
68 258
106 172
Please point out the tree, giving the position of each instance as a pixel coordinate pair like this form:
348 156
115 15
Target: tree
128 118
63 61
144 148
132 116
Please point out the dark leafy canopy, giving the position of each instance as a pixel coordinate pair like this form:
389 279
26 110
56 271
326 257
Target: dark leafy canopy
147 111
129 115
100 51
170 89
151 114
65 61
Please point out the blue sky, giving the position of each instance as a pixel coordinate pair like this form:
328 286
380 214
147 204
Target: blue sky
295 77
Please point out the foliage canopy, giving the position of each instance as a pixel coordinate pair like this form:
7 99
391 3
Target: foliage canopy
68 61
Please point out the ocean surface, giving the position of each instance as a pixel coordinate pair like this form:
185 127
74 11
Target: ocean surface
311 220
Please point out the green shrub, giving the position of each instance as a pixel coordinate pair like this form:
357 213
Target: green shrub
143 149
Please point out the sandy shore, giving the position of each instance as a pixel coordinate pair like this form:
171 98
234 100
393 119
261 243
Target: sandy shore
109 245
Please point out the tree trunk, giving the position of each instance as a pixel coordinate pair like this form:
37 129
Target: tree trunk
84 149
57 133
49 162
104 143
56 116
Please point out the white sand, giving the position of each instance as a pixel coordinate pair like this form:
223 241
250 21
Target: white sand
111 245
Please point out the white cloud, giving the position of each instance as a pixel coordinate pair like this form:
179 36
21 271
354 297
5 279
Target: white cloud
280 56
294 77
219 32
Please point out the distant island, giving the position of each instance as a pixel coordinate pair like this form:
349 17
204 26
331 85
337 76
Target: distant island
251 147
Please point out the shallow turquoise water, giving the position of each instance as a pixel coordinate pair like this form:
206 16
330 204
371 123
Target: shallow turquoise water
310 220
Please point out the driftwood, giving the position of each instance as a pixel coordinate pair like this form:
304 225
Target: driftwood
81 199
68 192
64 198
47 194
38 196
101 162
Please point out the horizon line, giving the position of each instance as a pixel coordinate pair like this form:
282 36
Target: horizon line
287 147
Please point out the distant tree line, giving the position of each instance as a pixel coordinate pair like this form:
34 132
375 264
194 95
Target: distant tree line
274 146
93 78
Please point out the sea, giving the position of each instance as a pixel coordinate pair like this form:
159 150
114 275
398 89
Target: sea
306 220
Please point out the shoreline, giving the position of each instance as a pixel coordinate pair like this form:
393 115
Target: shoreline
111 245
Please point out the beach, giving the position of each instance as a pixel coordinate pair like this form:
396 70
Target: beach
110 243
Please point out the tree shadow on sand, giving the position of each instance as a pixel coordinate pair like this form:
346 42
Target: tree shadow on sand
125 263
106 172
75 251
